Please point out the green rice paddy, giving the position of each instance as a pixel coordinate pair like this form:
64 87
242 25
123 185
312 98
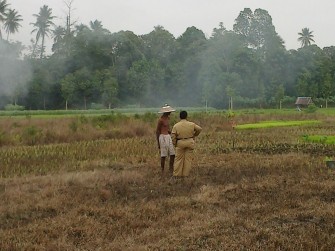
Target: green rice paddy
323 139
270 124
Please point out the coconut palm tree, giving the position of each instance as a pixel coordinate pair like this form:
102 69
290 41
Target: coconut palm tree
3 9
42 26
58 36
12 22
306 37
95 25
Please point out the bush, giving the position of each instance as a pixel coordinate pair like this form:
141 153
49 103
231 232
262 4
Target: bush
311 108
3 138
31 135
96 106
103 120
147 117
11 107
73 126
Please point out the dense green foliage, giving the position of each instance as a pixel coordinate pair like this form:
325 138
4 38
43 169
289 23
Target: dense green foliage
92 67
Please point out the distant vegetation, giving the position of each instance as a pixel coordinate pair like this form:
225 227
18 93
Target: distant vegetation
90 67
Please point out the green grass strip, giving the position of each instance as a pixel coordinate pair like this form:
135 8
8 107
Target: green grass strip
269 124
324 139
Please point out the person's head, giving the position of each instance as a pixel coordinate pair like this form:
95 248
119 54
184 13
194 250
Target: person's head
183 115
166 114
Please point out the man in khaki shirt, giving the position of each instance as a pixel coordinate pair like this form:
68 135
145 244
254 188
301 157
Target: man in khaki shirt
183 134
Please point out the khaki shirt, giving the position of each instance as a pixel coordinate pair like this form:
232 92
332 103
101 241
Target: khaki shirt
184 129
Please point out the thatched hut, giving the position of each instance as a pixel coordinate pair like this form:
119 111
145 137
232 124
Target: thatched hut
303 102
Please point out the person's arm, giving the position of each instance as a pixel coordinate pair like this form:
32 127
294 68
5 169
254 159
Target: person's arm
158 131
174 136
197 130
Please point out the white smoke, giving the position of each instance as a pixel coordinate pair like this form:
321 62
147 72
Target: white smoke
14 72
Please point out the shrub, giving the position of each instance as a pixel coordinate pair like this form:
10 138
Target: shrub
148 117
311 108
83 119
3 138
11 107
104 120
73 126
96 106
31 135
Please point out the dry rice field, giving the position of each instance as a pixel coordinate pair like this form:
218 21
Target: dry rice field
95 184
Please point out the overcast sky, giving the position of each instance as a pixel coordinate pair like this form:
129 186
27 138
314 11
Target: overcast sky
140 16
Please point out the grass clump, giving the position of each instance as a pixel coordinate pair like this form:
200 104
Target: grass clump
31 135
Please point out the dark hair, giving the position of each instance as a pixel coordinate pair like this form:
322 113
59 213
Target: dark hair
183 115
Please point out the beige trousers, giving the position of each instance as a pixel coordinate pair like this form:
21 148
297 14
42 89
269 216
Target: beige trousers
183 160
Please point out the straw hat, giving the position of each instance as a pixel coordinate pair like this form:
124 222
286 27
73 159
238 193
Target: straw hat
166 108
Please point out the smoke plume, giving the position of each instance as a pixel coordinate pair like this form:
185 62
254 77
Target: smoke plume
14 73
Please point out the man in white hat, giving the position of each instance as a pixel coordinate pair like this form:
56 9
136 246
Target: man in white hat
164 139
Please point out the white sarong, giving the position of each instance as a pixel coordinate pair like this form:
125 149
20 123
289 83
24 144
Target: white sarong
166 146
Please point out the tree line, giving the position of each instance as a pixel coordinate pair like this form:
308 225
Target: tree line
92 67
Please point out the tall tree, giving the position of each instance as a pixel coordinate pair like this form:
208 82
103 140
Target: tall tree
327 87
139 81
63 36
96 25
217 32
243 24
109 87
306 37
160 45
68 88
43 26
12 22
58 34
279 94
3 10
256 28
189 54
69 23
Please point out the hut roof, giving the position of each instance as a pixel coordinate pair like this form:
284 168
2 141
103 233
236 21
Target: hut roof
304 101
